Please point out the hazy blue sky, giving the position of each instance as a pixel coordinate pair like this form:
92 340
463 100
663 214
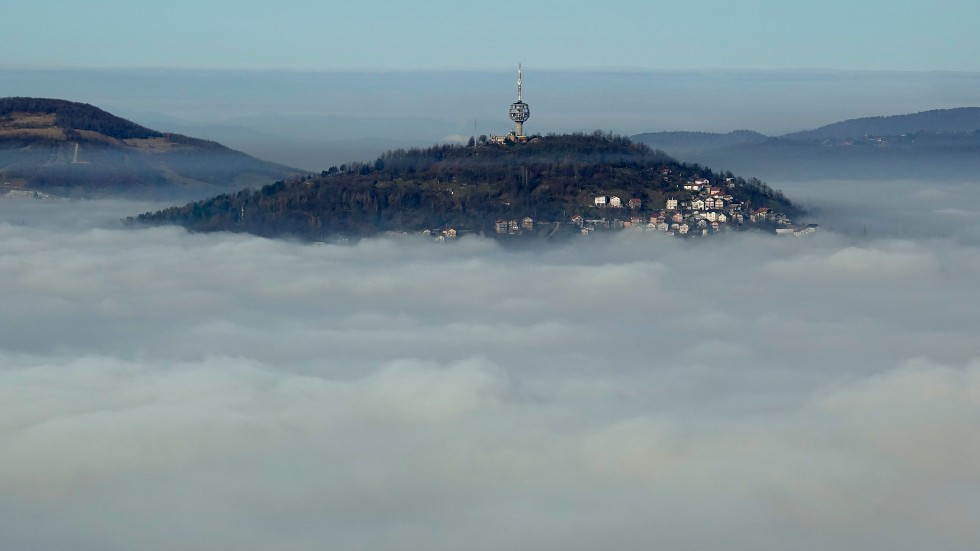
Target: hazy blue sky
393 34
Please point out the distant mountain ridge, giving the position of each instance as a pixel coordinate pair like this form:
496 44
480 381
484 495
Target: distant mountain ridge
680 142
937 143
943 121
75 149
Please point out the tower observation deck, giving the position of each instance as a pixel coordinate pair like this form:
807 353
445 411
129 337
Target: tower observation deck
519 111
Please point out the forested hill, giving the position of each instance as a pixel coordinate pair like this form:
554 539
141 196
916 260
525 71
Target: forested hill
467 188
75 149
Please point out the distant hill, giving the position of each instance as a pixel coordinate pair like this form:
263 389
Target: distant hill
678 143
75 149
937 121
942 143
467 188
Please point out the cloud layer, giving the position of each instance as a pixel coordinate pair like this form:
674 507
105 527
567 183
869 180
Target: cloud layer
163 390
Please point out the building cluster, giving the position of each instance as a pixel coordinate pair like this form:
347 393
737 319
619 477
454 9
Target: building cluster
702 210
514 226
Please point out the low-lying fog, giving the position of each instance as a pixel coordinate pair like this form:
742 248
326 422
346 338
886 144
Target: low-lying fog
161 390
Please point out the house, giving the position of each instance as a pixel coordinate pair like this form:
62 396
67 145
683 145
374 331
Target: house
722 218
634 203
514 226
615 202
450 233
711 215
663 226
714 190
759 215
683 229
671 204
677 217
709 203
690 186
601 200
697 204
578 220
501 226
527 223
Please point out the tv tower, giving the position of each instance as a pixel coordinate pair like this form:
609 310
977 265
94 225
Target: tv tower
519 111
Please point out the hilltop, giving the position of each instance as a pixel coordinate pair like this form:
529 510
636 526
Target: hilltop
941 143
75 149
476 188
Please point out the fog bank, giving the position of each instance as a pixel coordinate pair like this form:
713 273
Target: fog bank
163 390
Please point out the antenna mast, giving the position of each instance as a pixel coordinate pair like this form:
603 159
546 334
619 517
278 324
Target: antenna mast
518 82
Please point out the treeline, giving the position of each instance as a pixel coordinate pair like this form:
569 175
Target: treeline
77 116
465 187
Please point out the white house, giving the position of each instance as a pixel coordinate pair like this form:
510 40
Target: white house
600 200
671 204
615 202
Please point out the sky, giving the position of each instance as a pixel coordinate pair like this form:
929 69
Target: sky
445 34
163 390
315 84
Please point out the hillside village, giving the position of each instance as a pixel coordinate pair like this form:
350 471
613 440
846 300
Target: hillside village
696 209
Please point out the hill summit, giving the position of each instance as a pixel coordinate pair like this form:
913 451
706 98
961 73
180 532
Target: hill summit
75 149
597 180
